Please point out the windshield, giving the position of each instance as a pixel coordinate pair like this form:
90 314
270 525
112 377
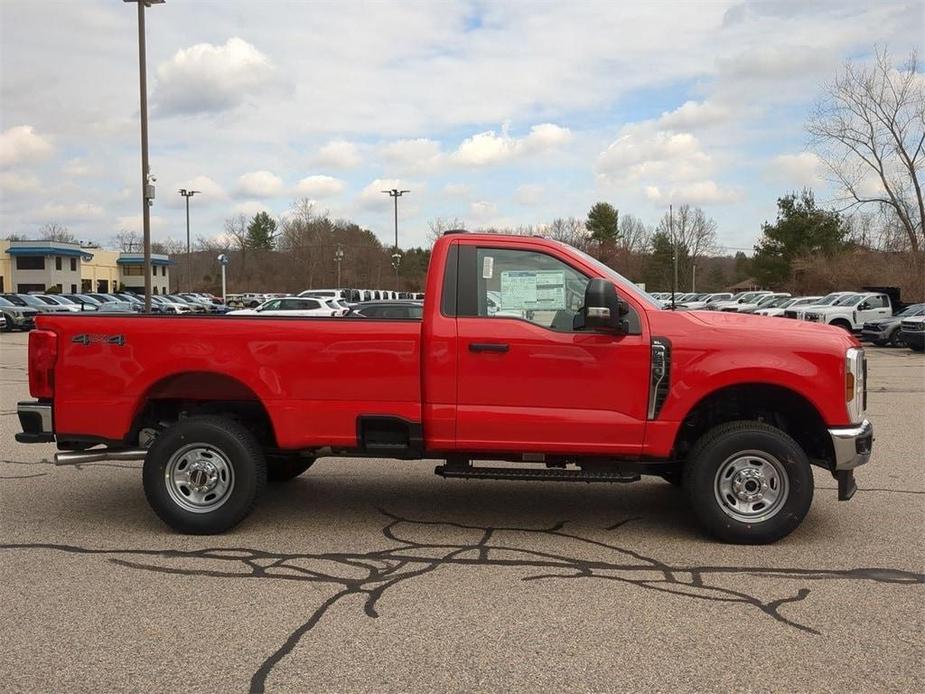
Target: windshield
916 310
611 274
47 300
776 302
33 301
4 302
63 300
849 300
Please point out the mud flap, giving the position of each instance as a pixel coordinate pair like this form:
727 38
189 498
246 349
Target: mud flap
846 484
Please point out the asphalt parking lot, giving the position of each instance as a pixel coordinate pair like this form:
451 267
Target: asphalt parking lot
377 576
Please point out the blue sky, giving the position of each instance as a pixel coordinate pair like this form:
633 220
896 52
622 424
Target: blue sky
498 114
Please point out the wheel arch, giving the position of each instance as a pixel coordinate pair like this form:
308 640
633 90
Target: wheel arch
190 393
777 405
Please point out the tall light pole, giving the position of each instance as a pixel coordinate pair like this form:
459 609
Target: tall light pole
395 193
338 258
147 181
189 272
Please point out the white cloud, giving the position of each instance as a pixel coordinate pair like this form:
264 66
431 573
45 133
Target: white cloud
641 154
68 213
249 208
22 145
663 165
483 210
457 190
803 169
694 114
209 78
134 223
19 183
77 168
320 186
260 184
529 194
339 154
695 193
416 155
205 185
487 148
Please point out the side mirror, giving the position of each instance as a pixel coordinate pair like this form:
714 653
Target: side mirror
603 309
864 307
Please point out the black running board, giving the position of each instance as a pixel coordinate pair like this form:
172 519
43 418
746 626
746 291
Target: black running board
548 474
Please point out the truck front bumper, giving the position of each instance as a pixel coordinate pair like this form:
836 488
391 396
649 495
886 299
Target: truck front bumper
853 446
35 418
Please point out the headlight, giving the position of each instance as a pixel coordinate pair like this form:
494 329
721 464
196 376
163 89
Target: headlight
855 384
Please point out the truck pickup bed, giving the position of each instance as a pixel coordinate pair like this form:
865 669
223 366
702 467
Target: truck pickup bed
529 351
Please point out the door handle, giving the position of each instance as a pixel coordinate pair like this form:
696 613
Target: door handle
488 347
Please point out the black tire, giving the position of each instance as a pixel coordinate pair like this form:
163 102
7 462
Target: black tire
675 479
717 451
917 348
284 468
8 327
896 339
238 451
843 324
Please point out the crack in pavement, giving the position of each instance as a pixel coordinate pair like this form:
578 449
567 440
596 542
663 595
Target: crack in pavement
407 559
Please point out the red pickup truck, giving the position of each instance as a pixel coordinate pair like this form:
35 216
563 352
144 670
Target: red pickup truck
529 352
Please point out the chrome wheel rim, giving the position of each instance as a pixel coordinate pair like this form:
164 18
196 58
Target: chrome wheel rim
751 486
199 478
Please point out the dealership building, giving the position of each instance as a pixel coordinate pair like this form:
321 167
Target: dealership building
43 266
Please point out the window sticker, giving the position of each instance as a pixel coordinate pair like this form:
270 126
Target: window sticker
524 290
488 267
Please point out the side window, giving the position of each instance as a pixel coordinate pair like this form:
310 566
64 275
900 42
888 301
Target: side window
272 306
532 286
878 301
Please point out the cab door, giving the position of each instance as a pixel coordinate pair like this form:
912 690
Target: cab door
873 308
527 379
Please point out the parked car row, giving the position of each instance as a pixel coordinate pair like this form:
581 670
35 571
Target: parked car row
868 314
294 306
251 300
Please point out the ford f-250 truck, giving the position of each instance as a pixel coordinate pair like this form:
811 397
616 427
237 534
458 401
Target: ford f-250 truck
573 374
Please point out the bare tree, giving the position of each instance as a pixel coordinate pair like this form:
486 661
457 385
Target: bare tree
691 230
568 230
56 232
439 225
128 241
869 130
236 230
634 234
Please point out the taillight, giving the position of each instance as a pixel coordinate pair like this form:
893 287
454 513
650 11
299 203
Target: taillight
43 353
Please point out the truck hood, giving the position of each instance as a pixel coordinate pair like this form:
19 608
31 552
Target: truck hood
739 330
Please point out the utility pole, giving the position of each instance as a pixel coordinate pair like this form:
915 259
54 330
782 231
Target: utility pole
147 181
396 254
693 278
189 271
674 251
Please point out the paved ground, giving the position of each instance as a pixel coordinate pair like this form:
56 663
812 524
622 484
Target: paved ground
377 576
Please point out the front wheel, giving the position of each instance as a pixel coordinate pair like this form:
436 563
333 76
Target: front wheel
748 483
203 475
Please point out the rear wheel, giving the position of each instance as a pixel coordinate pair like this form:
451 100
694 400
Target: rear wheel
204 474
748 483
